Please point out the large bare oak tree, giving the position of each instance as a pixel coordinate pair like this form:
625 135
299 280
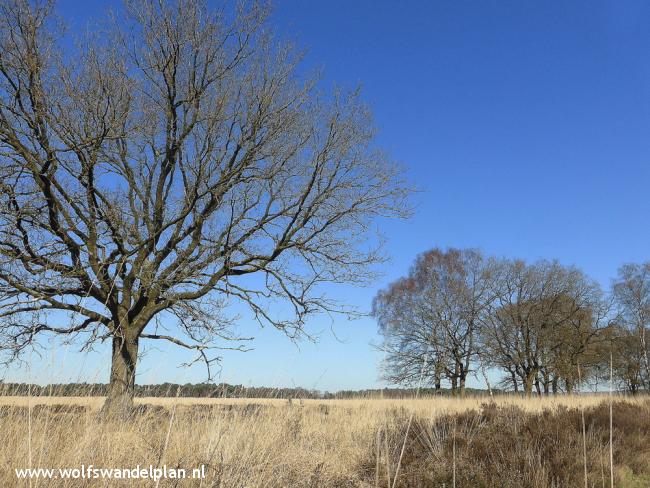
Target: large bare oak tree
173 161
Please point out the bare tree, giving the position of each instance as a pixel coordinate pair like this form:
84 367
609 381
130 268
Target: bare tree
574 342
542 323
167 166
430 319
631 291
627 359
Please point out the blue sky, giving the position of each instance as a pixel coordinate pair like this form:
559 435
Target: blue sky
526 125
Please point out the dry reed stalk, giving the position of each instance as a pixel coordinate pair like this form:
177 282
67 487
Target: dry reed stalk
377 452
611 421
387 458
169 431
453 456
584 432
408 426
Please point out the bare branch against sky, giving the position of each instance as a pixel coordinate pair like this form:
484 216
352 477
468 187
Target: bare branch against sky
158 169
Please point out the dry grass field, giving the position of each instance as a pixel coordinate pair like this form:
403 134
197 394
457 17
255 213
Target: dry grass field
510 442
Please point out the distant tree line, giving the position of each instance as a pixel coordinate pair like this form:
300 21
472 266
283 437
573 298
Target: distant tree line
390 393
546 327
201 390
221 390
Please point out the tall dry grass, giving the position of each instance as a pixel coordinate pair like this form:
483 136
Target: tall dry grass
273 443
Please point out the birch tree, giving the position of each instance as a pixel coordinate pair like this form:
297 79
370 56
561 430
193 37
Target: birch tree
430 319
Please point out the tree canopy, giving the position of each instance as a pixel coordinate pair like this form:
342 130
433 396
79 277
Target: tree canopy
172 162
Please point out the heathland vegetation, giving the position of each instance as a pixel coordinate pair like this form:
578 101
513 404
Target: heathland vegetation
506 442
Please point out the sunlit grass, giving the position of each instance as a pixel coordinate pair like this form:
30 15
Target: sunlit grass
241 442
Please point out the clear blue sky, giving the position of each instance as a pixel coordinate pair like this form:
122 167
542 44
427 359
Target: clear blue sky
526 124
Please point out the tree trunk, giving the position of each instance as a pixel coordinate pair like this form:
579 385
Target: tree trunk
515 383
528 384
121 388
568 384
438 377
487 380
546 382
462 386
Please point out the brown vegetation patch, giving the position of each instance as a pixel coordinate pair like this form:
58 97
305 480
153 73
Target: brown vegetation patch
509 448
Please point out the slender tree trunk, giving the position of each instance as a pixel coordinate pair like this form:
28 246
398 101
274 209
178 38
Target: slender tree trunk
555 385
644 351
515 383
546 382
487 381
121 388
568 385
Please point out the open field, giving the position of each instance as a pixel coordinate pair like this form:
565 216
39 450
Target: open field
512 442
429 407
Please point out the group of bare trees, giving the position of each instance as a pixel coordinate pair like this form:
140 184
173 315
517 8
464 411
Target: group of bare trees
546 327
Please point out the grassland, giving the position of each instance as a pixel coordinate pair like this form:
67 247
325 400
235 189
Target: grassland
474 442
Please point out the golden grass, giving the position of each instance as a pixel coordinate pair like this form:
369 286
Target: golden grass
241 442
